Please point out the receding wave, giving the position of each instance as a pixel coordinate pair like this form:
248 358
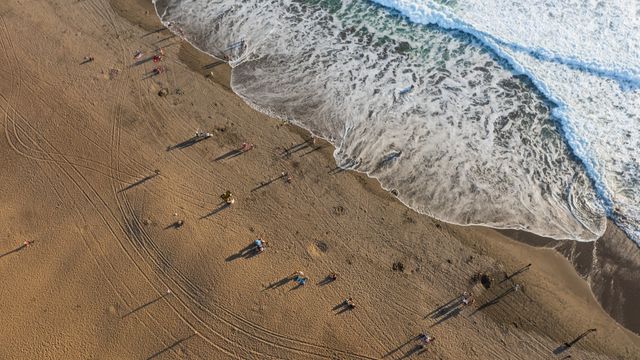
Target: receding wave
584 57
468 125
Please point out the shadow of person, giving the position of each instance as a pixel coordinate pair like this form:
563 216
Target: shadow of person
244 252
298 286
220 207
229 155
445 308
560 349
186 143
414 351
453 313
279 283
344 309
340 305
13 251
414 338
327 280
176 224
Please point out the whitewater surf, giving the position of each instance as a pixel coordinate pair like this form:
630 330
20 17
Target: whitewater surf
473 113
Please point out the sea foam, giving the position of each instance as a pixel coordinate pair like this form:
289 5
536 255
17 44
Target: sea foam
469 122
584 57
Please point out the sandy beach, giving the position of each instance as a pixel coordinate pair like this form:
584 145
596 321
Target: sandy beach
132 253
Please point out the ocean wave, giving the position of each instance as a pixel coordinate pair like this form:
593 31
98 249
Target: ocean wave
618 65
429 12
452 127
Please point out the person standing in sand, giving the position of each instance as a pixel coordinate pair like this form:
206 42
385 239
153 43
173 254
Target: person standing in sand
260 245
228 198
299 277
244 147
350 304
426 339
467 299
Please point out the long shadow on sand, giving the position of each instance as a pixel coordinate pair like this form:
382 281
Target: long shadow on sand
170 346
14 250
139 182
213 64
494 300
175 225
342 307
326 281
560 349
164 39
191 141
220 207
229 155
400 347
445 308
314 149
268 182
279 283
451 314
336 170
154 31
142 61
517 272
146 304
247 252
414 351
295 148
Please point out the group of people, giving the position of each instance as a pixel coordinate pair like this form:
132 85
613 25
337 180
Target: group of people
244 147
202 134
299 278
425 339
228 197
156 58
467 298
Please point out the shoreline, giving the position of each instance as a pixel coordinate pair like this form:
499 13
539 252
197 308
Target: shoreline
617 300
97 173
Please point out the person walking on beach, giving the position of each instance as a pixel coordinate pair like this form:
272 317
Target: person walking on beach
467 299
157 70
260 245
425 339
350 304
299 278
571 343
244 147
228 198
297 275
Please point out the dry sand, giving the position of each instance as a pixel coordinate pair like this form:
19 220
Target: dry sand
81 146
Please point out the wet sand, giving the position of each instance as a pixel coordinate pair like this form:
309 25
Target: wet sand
611 267
109 275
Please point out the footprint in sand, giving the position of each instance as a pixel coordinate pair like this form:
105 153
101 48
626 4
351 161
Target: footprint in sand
317 248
